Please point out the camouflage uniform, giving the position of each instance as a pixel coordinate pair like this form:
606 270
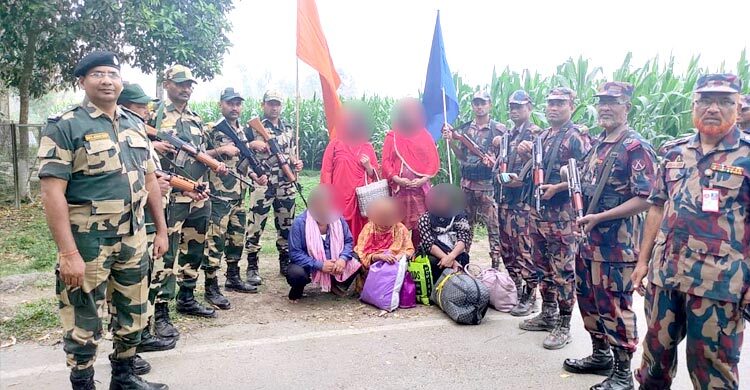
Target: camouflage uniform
699 269
105 164
279 193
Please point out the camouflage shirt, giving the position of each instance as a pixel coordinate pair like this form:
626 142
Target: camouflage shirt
700 252
471 163
227 186
513 197
284 135
105 163
633 174
187 126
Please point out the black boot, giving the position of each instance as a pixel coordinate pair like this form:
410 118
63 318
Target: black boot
252 275
123 377
162 324
214 296
546 321
151 343
82 379
620 378
235 283
140 366
598 363
186 304
527 305
283 262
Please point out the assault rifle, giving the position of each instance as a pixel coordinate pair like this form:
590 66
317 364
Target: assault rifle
184 184
537 171
576 194
248 160
502 162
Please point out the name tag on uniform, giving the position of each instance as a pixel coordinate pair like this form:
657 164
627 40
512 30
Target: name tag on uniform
710 200
675 164
96 136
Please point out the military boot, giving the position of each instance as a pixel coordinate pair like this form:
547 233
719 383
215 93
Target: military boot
283 263
620 378
140 365
151 343
235 283
598 363
544 321
123 377
527 305
82 379
519 288
560 336
162 324
214 296
186 304
252 275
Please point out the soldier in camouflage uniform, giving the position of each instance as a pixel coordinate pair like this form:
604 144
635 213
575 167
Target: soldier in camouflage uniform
514 207
187 213
553 242
97 176
477 176
228 218
278 194
616 178
697 227
743 119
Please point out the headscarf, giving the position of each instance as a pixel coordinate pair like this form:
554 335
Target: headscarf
413 144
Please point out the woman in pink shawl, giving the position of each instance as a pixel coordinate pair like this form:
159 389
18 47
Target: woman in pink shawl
410 160
347 162
320 248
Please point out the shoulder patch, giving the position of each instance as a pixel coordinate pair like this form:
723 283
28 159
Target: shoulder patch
667 146
631 144
67 113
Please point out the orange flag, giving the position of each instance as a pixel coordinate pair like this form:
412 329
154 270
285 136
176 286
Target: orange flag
312 48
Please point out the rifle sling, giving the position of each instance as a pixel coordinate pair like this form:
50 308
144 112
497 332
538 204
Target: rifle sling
556 142
603 179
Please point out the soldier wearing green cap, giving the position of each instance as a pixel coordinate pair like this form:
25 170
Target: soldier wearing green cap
278 194
743 119
695 246
97 175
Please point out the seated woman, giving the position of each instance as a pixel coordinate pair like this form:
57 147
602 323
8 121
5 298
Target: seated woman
383 238
320 247
444 229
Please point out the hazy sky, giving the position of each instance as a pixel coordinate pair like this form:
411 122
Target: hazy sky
382 46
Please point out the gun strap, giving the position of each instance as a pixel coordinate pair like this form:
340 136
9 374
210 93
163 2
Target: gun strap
603 179
525 169
556 142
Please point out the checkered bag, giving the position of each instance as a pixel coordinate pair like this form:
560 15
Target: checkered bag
462 297
371 191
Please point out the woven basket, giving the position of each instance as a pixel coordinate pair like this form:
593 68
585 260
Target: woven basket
371 191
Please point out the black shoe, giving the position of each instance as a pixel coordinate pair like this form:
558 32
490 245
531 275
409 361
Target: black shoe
546 321
214 296
123 377
186 304
527 305
140 366
253 277
151 343
620 378
82 379
162 324
598 363
234 283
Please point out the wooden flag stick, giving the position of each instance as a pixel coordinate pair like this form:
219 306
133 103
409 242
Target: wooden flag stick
447 142
296 114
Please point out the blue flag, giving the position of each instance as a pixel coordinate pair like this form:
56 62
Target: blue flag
439 79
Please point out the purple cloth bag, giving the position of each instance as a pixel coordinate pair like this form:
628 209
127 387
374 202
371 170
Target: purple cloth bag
383 284
408 296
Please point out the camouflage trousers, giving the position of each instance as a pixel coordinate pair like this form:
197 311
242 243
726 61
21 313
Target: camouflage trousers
516 246
481 206
226 233
553 248
187 224
713 330
119 263
282 199
605 299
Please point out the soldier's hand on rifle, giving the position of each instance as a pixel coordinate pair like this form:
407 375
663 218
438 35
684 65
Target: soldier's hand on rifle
164 186
298 165
72 269
497 141
488 161
222 169
163 147
230 150
549 190
161 243
588 222
258 146
263 180
447 132
196 196
525 147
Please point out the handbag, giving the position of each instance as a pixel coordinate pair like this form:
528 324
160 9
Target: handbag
502 289
382 287
371 191
421 274
463 298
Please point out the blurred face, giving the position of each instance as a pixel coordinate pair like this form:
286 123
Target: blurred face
613 112
714 113
272 109
232 109
409 115
179 92
558 112
519 113
102 84
354 125
139 108
384 212
321 205
480 107
744 118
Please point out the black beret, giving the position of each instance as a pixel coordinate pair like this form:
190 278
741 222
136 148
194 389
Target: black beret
94 59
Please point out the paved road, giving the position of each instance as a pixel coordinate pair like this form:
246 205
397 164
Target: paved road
378 353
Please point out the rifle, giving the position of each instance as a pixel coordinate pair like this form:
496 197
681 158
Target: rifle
198 155
248 159
273 145
470 144
576 194
538 171
184 184
502 162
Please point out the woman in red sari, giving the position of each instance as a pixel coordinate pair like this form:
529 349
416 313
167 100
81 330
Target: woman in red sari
346 161
410 160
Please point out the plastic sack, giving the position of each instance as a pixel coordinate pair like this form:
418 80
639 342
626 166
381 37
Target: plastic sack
382 287
408 296
421 274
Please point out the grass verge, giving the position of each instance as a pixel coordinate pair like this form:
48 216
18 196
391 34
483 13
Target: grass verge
31 320
25 242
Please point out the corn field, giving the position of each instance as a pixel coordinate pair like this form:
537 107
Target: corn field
661 102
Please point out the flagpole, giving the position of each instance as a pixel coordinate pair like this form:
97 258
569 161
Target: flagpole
447 142
296 114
